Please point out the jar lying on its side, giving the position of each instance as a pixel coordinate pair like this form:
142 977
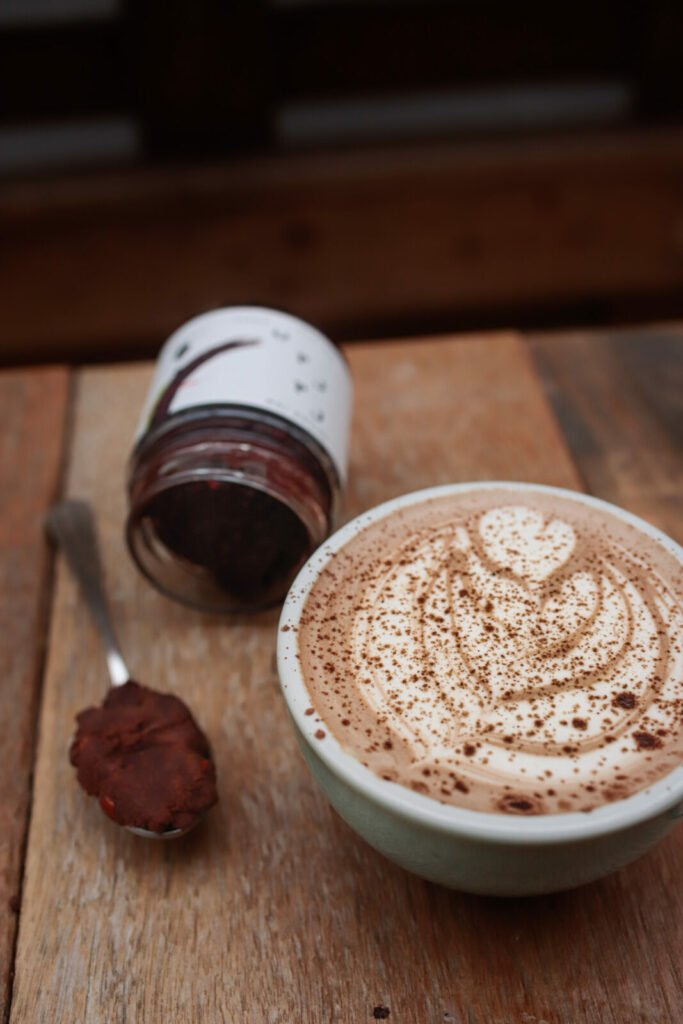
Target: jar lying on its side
240 458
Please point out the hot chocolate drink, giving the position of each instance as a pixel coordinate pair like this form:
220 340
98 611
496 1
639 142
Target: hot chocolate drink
502 649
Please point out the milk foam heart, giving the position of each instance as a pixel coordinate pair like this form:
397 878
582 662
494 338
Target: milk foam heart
519 538
502 650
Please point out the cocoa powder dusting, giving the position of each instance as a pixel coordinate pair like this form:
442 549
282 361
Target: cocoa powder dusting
490 641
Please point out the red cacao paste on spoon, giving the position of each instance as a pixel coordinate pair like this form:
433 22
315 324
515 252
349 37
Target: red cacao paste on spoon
144 757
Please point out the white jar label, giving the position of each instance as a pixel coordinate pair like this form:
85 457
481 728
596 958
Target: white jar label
262 359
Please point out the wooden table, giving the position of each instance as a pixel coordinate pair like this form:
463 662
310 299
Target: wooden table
273 911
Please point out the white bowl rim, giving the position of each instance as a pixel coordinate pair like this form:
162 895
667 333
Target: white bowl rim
661 796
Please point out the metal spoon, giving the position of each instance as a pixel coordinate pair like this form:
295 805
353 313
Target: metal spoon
71 525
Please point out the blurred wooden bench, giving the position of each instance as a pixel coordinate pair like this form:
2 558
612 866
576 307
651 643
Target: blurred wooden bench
240 190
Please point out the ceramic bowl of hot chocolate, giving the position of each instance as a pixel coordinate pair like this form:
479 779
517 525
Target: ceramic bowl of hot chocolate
486 681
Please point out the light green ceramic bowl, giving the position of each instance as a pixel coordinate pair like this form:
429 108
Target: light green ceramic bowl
490 854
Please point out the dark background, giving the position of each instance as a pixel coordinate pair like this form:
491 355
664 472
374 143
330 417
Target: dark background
379 168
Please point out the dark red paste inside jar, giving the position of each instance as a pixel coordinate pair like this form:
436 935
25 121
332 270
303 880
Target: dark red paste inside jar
248 541
225 509
145 758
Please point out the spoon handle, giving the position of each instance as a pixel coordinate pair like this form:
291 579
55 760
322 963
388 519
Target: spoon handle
71 525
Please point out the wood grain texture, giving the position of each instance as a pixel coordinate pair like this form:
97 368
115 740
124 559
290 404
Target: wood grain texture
33 409
619 398
347 240
273 910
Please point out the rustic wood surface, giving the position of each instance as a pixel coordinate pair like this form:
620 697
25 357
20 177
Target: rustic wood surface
273 910
33 409
619 399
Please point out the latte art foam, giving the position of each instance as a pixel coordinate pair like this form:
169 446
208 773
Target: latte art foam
502 650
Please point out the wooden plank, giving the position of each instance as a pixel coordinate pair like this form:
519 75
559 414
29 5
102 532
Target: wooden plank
33 408
432 412
114 263
619 398
273 910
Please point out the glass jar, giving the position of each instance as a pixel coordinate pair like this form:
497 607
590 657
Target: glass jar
239 459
